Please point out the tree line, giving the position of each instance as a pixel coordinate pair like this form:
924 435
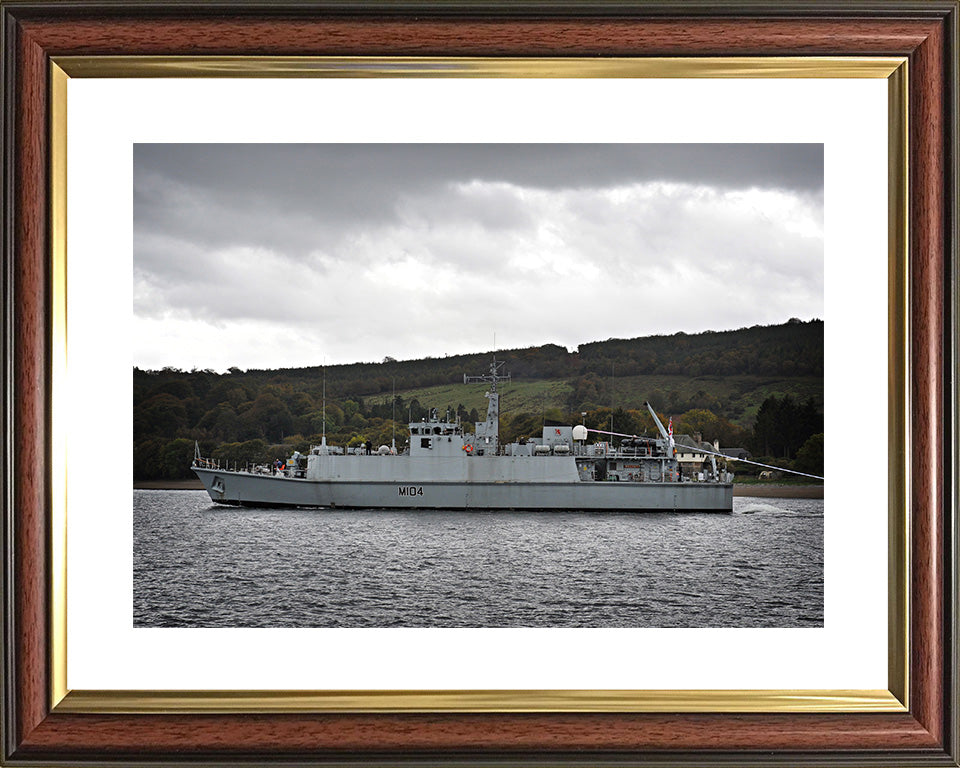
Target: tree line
162 458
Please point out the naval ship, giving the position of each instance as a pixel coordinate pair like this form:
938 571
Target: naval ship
445 467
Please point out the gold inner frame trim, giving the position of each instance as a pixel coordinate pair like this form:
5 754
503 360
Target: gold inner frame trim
58 368
233 702
898 384
894 69
429 66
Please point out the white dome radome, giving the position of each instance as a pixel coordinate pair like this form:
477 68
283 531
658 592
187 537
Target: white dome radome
579 432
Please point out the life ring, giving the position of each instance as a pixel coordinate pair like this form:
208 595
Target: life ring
468 448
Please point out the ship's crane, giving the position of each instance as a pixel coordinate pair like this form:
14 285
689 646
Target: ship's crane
669 438
656 420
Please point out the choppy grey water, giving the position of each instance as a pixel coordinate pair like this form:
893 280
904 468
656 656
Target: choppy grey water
197 564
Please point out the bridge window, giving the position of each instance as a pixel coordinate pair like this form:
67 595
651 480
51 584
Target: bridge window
424 442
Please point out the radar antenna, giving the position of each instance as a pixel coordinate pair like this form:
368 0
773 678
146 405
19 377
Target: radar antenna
492 378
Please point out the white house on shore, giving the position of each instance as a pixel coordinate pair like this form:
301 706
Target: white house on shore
691 454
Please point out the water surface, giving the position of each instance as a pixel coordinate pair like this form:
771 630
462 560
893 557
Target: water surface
197 564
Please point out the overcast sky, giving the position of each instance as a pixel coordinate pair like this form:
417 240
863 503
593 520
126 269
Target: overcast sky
268 256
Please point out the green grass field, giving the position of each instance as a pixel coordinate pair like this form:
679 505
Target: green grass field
515 396
738 396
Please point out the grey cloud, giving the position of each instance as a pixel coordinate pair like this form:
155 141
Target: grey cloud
360 180
286 236
296 198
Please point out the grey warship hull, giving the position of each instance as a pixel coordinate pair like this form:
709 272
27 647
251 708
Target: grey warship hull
444 467
245 489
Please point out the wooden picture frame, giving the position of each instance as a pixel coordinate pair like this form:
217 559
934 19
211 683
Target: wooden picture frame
38 729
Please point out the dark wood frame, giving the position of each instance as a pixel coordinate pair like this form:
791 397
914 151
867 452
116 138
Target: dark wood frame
925 32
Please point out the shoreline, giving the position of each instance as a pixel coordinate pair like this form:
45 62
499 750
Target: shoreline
772 491
779 491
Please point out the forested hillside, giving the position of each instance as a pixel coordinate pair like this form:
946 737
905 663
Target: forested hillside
741 387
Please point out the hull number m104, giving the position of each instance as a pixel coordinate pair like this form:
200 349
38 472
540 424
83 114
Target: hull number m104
410 490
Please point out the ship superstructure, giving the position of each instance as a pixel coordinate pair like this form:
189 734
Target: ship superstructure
444 467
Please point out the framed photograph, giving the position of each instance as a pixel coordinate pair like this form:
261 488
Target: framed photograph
169 170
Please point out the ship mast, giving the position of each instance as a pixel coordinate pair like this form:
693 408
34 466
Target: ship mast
490 429
323 438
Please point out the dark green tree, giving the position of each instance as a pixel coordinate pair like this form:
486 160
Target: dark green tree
175 459
162 416
782 426
220 422
268 418
810 456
